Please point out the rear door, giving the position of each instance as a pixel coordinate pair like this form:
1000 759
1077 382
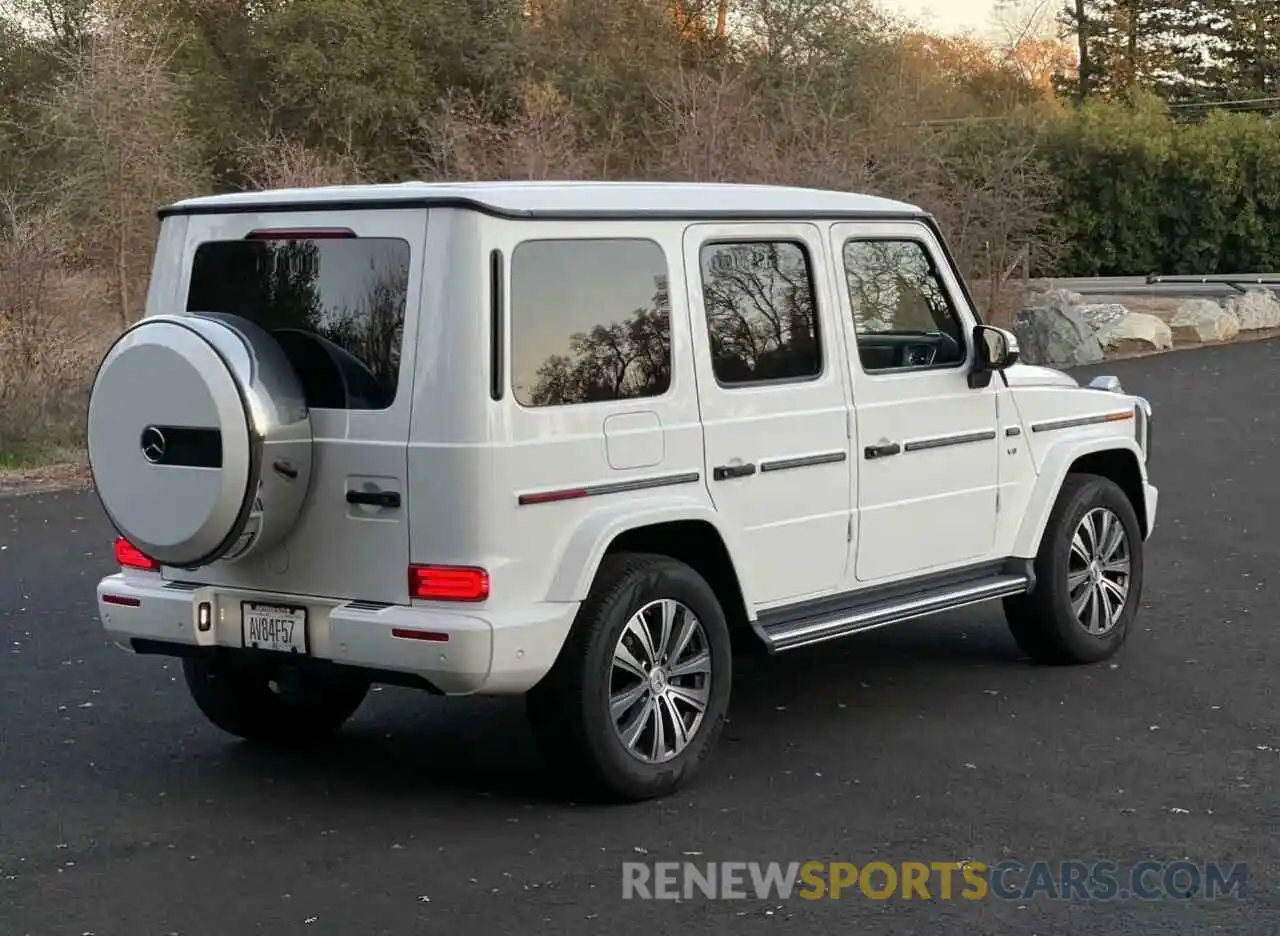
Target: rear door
773 395
341 291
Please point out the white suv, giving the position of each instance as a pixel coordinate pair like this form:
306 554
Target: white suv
583 441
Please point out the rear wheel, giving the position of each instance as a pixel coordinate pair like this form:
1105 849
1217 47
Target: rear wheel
280 708
1088 577
638 697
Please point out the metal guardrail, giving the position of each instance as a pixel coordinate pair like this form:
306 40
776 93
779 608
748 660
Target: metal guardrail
1157 285
1236 281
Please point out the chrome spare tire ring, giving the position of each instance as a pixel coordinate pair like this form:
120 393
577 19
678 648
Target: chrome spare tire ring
660 681
1099 571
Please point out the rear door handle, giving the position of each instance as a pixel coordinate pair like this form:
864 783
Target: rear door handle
882 451
725 472
388 499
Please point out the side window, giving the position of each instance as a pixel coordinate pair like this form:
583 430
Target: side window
761 316
336 306
902 314
590 321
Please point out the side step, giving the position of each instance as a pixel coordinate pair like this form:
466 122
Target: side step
824 619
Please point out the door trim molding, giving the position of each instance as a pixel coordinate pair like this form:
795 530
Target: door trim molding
946 441
607 487
804 461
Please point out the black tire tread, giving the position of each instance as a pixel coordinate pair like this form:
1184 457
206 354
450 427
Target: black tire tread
1036 620
556 704
241 703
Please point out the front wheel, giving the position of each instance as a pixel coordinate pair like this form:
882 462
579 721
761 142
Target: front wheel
278 708
1088 577
639 694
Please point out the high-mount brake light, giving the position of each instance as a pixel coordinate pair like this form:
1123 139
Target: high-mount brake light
448 583
301 234
129 556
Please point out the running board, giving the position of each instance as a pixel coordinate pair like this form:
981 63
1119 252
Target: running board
867 609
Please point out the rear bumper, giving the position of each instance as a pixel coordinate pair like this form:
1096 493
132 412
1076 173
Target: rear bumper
473 652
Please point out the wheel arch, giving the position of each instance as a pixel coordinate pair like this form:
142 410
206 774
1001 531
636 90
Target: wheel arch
1119 460
690 533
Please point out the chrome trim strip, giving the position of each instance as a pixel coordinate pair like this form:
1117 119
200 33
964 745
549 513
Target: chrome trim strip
803 461
608 487
964 438
872 618
1049 425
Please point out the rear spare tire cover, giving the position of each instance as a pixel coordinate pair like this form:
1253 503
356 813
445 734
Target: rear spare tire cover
199 439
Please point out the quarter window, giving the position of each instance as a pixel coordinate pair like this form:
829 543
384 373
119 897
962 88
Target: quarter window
335 305
761 315
902 314
590 321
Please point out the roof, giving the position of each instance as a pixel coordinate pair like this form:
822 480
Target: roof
564 200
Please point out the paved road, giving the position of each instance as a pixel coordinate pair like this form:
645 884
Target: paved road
123 814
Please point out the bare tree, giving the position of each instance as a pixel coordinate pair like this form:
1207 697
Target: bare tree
119 130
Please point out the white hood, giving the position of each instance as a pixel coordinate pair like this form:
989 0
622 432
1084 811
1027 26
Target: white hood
1032 375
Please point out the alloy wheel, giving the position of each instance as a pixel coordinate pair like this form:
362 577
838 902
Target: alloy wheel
1098 571
660 682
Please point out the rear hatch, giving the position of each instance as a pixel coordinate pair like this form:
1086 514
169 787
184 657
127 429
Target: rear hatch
339 290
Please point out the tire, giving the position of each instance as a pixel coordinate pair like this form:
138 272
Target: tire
241 701
570 708
1044 622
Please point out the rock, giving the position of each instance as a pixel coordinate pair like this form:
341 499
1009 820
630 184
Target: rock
1200 320
1100 315
1054 333
1056 298
1256 309
1137 331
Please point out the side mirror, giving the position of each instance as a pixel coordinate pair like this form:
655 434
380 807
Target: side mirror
995 350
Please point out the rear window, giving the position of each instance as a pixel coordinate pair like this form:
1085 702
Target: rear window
336 306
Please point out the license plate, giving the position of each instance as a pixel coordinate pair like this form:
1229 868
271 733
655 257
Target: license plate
279 628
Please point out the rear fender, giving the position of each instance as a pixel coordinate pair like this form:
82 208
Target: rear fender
585 549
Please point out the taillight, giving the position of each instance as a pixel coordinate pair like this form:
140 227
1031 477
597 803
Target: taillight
448 583
130 557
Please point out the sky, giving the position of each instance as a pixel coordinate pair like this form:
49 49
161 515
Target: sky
946 15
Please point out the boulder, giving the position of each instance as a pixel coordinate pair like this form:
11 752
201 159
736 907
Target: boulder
1054 333
1256 309
1200 320
1055 298
1100 315
1137 331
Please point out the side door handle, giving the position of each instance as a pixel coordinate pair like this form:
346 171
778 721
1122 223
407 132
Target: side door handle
388 499
882 451
725 472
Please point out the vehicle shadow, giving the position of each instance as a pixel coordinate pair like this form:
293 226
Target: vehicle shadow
407 745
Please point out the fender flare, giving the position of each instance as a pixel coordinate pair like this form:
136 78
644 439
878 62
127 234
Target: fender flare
582 553
1053 471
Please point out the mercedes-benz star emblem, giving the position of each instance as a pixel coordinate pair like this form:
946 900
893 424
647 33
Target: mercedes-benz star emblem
153 444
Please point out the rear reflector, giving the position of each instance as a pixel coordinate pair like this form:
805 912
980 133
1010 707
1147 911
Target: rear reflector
407 634
448 583
551 497
122 601
300 234
128 556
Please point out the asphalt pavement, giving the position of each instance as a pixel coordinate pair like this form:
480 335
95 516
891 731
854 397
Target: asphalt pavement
122 813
